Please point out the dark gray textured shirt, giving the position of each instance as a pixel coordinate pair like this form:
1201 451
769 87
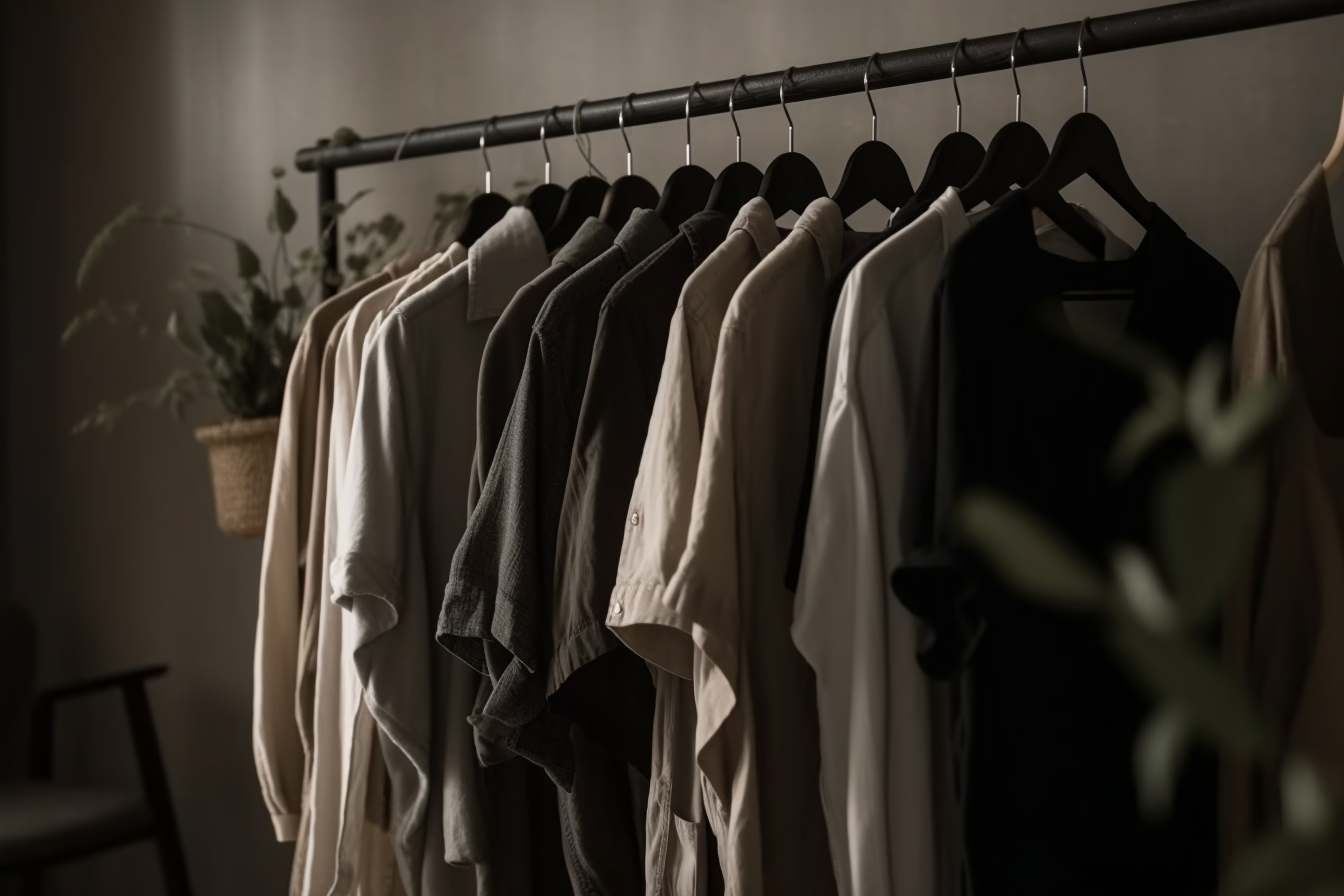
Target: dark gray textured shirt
614 700
500 584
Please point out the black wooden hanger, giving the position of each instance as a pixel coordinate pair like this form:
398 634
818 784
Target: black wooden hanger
486 210
687 189
792 181
1016 157
1085 145
874 170
953 163
544 201
629 192
737 184
583 199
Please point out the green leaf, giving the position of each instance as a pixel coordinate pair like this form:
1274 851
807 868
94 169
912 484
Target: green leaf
249 265
1028 554
1159 752
264 309
1307 808
1286 865
1204 515
292 297
1144 430
1142 589
102 241
1219 707
221 316
344 137
1251 417
1203 389
182 337
283 210
278 172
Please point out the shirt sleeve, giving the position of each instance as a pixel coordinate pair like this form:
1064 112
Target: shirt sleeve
276 741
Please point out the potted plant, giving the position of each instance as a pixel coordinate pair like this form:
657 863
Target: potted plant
237 332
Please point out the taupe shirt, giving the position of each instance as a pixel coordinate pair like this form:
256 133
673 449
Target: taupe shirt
1285 625
757 738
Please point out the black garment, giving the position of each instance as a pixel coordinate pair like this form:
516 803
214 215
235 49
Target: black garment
595 680
1008 401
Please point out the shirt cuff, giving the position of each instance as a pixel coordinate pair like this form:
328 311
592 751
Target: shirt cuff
286 828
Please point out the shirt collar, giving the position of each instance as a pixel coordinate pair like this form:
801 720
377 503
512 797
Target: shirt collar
704 231
591 239
503 261
756 219
952 214
824 223
644 233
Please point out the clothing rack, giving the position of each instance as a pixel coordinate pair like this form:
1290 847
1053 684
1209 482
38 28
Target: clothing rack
1052 43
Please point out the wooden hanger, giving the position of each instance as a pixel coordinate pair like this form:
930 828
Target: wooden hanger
487 209
737 184
687 189
583 199
791 181
874 170
629 192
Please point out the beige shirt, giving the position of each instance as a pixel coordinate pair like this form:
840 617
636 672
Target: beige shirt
279 743
1284 627
756 740
405 490
655 535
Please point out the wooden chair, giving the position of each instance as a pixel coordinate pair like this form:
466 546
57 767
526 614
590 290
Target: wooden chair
43 823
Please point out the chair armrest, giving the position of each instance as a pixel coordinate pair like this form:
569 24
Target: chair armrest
132 685
107 682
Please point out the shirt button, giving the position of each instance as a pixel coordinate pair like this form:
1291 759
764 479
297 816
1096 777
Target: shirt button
616 608
634 518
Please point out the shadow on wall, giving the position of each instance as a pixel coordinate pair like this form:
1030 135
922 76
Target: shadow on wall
113 540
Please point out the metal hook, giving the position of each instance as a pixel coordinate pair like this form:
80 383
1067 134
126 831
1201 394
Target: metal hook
1082 29
1012 63
785 106
955 90
484 155
868 94
620 122
405 138
586 152
689 93
544 148
733 115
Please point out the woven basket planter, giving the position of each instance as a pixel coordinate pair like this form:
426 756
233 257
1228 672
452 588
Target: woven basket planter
242 457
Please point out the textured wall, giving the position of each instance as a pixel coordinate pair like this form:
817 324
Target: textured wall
189 102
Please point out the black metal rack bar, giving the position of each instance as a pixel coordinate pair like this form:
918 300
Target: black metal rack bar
1053 43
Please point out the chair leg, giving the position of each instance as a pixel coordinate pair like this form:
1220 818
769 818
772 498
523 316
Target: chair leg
171 858
30 883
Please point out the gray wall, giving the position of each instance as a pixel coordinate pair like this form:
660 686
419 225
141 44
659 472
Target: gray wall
189 103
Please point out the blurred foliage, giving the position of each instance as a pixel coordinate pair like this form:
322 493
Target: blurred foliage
1157 602
238 328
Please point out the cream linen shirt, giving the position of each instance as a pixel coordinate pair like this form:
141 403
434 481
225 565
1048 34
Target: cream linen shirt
332 830
279 743
655 535
405 487
756 740
878 779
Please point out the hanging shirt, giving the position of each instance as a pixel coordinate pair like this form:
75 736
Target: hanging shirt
281 743
613 698
1007 401
756 740
406 479
1284 628
657 520
501 371
330 830
501 582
